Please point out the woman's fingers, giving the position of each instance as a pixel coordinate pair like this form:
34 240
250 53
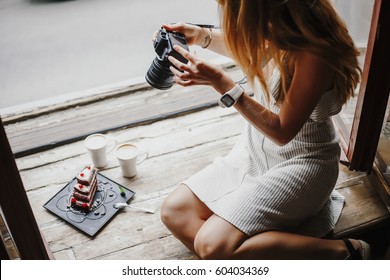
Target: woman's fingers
181 78
186 54
195 72
180 65
179 26
178 73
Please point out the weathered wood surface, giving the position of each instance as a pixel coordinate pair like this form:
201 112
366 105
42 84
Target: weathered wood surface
383 163
177 147
364 209
137 106
10 252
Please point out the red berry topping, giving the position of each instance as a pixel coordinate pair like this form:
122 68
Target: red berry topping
81 186
81 174
85 205
73 200
89 167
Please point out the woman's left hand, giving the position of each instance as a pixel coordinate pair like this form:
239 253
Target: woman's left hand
199 72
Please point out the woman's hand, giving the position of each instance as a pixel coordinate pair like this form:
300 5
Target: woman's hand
194 34
199 72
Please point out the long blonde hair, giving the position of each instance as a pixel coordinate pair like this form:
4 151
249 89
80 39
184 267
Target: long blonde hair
259 30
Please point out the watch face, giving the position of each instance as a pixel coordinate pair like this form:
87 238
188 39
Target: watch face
227 100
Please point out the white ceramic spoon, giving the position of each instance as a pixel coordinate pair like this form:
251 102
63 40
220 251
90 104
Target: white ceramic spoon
121 205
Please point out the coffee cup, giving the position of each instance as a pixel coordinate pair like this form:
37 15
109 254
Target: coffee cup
129 156
99 146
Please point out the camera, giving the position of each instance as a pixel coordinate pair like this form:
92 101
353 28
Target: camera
159 76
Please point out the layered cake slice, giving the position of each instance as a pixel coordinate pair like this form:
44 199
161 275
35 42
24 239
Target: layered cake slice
87 175
84 189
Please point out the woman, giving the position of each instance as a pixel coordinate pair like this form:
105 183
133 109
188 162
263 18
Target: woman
272 196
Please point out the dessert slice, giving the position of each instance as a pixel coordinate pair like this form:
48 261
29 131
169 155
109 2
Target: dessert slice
86 176
84 189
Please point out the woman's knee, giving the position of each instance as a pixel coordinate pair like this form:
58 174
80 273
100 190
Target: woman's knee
178 207
171 208
208 248
217 239
214 247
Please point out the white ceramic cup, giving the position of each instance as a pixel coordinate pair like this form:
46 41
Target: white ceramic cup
99 146
127 155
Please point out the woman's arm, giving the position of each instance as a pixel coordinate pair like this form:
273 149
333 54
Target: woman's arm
311 78
196 35
217 43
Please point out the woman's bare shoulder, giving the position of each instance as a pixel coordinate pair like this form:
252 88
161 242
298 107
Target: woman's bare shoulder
312 66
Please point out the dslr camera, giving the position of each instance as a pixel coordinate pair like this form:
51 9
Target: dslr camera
159 76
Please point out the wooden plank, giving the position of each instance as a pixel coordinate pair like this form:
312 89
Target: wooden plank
149 138
38 108
129 228
137 108
158 175
383 154
7 247
166 248
382 184
137 135
178 148
363 211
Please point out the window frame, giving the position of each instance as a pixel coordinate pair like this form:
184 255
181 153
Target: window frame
361 142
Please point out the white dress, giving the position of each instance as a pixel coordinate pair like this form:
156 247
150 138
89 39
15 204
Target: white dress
260 186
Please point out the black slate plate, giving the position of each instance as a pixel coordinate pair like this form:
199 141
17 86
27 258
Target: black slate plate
108 193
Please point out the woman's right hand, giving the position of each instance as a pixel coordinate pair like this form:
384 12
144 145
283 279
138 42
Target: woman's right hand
199 72
194 34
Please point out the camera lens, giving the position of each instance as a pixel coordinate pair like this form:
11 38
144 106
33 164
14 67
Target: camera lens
159 76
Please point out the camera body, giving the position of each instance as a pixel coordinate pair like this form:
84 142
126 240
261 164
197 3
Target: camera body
159 75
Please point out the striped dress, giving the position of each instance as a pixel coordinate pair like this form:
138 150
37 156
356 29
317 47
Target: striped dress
260 186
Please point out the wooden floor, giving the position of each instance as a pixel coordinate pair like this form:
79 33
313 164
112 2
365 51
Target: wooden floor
178 146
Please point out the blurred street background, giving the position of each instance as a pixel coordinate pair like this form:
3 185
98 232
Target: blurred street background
52 48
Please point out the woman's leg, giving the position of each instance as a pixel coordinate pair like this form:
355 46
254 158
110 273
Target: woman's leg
183 214
218 239
211 237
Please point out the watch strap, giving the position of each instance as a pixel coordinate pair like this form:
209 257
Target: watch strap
231 97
